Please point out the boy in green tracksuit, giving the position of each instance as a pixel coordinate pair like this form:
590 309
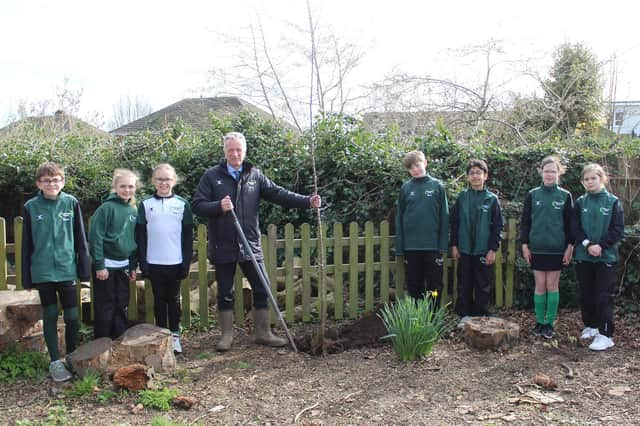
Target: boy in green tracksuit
476 222
422 227
54 256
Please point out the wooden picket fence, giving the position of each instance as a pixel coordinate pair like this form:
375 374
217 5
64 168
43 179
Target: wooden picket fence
362 268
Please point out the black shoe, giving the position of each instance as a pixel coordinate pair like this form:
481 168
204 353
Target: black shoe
547 331
537 330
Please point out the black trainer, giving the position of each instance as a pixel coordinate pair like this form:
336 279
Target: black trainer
547 331
537 330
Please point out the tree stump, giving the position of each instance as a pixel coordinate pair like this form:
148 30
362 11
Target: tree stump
491 333
20 311
93 356
133 377
145 344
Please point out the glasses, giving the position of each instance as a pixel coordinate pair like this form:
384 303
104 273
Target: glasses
54 181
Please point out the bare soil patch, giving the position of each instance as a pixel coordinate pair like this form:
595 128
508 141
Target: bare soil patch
367 384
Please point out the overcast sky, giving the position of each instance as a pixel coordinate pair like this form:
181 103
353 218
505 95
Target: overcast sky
162 51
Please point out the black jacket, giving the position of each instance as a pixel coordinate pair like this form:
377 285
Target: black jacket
225 246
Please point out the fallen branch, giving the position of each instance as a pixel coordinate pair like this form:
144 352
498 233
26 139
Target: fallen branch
311 407
570 374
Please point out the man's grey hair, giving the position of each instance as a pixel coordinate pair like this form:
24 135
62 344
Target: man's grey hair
237 136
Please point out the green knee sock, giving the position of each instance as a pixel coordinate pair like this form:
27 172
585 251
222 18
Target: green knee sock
539 305
553 298
71 327
50 330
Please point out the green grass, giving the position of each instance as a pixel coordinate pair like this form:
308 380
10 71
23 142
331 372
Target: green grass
205 355
15 364
240 365
157 399
414 326
84 386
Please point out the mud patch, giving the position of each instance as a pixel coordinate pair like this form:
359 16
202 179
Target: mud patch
364 332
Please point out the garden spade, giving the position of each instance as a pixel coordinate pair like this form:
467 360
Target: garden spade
264 279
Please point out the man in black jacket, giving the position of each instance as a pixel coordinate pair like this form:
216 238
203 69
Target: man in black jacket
236 184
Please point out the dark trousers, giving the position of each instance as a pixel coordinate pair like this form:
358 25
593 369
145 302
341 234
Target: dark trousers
110 304
424 272
165 281
67 292
224 276
473 286
597 286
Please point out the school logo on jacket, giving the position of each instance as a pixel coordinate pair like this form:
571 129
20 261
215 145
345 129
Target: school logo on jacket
484 208
429 192
65 216
132 218
557 205
605 211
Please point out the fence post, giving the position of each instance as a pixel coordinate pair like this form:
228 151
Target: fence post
338 268
368 271
384 262
288 268
149 303
511 262
203 288
353 270
3 254
271 263
305 254
499 283
17 236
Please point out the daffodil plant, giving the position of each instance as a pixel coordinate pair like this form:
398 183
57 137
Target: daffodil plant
414 326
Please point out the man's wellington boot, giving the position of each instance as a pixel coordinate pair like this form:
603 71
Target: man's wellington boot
225 318
263 335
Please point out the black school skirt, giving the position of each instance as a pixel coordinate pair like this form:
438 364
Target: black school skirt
546 262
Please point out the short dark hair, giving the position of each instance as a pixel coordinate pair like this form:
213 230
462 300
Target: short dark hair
476 162
49 169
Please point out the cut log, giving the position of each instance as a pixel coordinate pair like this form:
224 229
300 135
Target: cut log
133 377
145 344
491 333
20 311
93 356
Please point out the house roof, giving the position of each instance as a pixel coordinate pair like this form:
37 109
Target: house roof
58 123
192 111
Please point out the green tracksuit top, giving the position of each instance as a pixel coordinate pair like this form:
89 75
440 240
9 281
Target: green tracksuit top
601 221
422 217
112 232
478 222
54 245
545 228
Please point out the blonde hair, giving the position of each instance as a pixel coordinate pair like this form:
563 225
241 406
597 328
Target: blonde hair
552 159
597 169
165 166
123 173
413 157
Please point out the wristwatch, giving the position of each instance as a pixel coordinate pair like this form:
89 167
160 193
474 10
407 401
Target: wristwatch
585 243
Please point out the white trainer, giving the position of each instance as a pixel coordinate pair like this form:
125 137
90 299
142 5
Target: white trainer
177 347
463 320
601 343
589 333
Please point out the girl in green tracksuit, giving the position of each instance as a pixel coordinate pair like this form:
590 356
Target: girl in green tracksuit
547 241
113 249
599 226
